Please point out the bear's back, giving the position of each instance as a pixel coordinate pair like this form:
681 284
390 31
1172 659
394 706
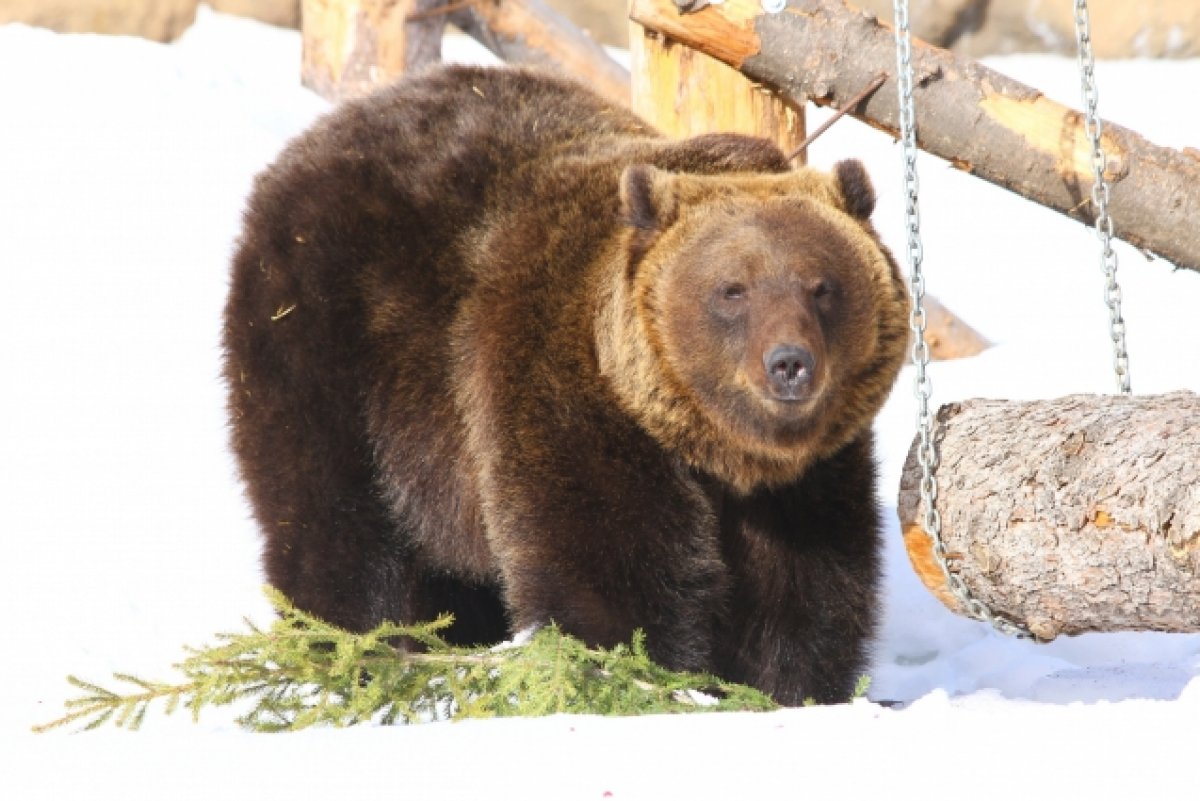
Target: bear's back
435 147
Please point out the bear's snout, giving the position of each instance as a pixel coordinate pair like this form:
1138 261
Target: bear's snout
789 371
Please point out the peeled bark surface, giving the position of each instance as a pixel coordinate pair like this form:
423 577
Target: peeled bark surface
979 120
682 93
1069 515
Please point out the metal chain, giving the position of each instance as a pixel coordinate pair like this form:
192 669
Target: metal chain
927 456
1104 223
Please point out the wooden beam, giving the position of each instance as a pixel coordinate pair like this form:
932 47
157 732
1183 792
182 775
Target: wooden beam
979 120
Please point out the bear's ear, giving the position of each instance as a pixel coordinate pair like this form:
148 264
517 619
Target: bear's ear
648 200
856 188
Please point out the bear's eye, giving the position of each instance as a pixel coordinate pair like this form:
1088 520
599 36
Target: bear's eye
733 291
823 288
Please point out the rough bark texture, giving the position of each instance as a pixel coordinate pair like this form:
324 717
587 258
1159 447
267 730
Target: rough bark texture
1070 515
979 120
683 92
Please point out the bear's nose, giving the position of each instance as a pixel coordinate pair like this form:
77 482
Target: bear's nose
789 370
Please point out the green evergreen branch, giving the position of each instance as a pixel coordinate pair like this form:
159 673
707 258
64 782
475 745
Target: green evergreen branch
304 672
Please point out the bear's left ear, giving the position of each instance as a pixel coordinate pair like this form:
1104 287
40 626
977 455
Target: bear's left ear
648 200
856 188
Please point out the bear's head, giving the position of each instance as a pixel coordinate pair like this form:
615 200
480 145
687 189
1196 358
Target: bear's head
757 323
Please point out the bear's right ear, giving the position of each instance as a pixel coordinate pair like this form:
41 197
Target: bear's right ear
648 200
856 188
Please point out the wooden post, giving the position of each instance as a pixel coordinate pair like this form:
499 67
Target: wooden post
684 92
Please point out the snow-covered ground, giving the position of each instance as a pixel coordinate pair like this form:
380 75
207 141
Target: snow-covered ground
124 166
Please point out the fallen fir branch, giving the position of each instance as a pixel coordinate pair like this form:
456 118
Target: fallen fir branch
303 672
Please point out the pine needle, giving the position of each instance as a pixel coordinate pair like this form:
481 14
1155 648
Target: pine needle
305 672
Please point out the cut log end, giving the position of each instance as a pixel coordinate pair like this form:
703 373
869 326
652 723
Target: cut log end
948 336
1069 515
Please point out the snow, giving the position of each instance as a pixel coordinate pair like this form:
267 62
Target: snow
124 166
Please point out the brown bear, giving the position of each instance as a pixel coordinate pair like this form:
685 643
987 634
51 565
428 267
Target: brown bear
496 348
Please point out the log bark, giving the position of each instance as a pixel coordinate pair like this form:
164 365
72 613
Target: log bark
683 92
979 120
1069 515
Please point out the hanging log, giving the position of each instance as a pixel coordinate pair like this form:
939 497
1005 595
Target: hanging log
1069 515
977 119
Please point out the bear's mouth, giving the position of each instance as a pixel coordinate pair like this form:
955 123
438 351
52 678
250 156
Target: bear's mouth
792 406
792 394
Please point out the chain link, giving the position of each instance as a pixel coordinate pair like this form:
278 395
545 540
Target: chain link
1104 224
927 455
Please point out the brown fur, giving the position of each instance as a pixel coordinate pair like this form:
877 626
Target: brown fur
485 356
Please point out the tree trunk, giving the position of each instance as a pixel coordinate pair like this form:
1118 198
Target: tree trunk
1069 515
977 119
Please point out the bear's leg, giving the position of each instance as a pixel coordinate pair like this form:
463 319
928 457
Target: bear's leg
330 544
805 560
602 546
479 617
